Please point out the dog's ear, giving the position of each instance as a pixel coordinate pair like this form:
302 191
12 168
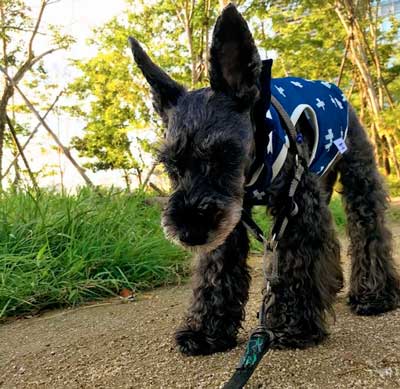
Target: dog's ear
166 92
234 58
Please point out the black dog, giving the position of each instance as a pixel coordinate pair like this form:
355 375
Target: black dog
213 139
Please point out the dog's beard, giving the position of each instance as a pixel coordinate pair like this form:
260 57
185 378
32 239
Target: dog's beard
215 237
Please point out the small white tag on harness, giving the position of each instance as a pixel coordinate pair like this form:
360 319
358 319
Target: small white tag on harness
341 145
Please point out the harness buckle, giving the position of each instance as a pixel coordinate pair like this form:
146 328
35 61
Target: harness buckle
272 243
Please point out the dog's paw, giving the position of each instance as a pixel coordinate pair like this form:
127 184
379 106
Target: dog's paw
191 342
373 304
293 339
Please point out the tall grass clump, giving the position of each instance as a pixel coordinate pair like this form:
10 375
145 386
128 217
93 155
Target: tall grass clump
58 249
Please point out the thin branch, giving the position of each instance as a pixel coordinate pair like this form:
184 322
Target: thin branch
149 174
66 151
5 59
21 152
40 56
16 28
157 189
36 28
32 134
178 14
26 66
343 60
192 5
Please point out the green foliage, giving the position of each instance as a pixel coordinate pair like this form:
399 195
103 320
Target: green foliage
111 89
394 186
22 58
60 249
307 37
113 96
111 111
15 19
18 37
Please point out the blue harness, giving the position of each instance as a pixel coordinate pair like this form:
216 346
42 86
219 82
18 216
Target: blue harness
326 109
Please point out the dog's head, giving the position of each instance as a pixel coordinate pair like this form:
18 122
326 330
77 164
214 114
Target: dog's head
209 142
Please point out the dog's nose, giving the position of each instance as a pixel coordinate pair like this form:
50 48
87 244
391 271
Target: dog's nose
191 239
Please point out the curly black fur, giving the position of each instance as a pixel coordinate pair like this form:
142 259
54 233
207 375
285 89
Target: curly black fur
309 268
374 283
208 151
220 291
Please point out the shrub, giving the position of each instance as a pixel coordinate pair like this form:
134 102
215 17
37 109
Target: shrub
58 249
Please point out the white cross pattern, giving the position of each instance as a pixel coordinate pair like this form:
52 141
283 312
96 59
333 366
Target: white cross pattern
326 84
258 195
333 101
280 90
269 116
343 97
321 169
320 104
298 84
339 103
329 138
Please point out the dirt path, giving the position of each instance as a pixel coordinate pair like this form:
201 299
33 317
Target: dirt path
116 345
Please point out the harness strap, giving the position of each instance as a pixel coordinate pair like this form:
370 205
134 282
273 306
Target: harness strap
290 127
261 338
253 227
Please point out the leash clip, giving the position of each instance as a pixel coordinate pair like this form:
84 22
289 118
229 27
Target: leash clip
272 243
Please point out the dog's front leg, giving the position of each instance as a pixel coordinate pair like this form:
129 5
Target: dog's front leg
309 270
220 292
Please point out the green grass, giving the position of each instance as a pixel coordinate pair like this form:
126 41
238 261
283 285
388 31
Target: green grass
337 211
265 222
58 250
394 214
61 250
393 186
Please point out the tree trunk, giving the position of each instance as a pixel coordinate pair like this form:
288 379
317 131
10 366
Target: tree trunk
184 13
374 53
358 51
149 174
384 159
393 156
127 180
21 152
188 15
20 71
207 39
5 98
